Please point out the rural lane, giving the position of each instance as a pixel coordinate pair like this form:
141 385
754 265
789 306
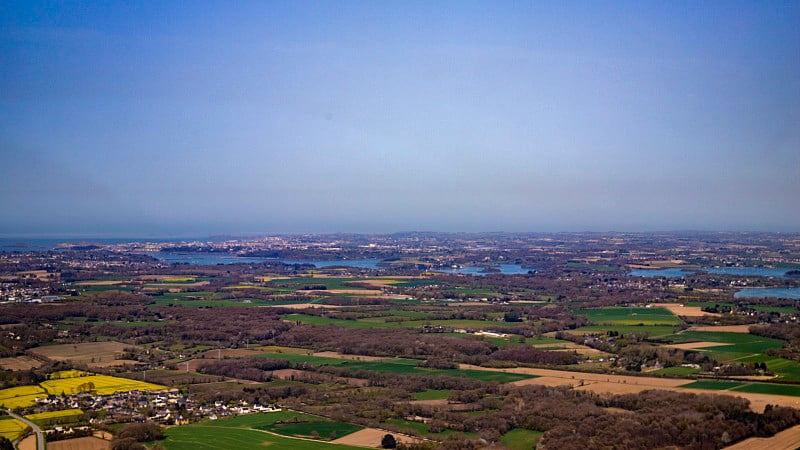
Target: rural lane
34 427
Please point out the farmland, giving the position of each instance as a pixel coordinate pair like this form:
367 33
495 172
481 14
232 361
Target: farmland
465 361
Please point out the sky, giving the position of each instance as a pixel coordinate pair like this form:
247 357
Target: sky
159 118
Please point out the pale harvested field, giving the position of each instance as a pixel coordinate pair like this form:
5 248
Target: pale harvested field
84 443
19 363
788 439
353 357
725 328
371 437
84 352
29 443
686 311
619 384
694 345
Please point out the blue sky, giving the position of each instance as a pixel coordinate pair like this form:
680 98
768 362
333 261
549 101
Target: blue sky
170 118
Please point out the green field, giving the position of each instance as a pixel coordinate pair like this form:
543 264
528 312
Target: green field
736 345
786 369
651 330
397 366
314 427
254 431
211 437
214 300
432 394
766 388
629 316
716 385
521 439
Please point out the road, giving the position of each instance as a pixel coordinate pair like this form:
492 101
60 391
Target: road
34 427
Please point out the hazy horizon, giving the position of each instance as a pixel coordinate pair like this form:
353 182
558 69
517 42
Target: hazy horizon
175 119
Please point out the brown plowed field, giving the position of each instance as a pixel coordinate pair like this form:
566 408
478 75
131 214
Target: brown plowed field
84 352
19 363
29 443
84 443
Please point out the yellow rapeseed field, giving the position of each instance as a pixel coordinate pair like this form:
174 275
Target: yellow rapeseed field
12 429
54 414
101 384
20 396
